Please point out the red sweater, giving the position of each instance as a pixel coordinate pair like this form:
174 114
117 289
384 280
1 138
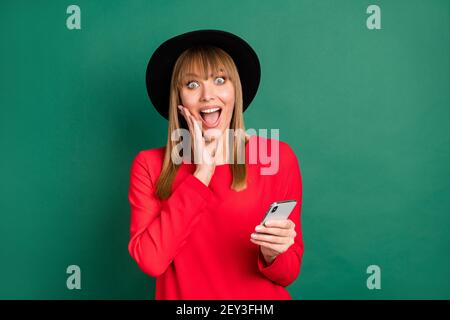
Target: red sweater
197 242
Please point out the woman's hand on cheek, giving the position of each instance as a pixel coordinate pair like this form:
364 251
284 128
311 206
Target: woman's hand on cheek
204 156
274 238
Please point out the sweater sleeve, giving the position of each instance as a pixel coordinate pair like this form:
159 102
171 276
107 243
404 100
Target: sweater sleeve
286 266
159 229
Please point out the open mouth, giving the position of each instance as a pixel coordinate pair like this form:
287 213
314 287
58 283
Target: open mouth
211 116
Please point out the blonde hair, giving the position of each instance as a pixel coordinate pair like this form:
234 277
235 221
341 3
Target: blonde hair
208 58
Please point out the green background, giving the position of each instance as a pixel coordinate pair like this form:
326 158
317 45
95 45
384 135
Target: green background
366 112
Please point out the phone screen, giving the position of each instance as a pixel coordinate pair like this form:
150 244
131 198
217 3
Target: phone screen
279 210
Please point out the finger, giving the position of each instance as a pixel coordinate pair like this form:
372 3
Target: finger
197 127
181 108
283 223
198 134
276 247
190 120
198 140
191 117
197 131
270 238
185 116
281 232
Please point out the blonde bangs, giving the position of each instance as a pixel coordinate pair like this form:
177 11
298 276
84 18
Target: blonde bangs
201 60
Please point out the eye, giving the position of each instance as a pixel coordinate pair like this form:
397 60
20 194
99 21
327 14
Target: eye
222 80
190 86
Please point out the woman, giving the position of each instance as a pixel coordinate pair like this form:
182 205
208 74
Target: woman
195 221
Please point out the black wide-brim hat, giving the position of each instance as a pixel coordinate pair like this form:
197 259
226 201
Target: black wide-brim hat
162 62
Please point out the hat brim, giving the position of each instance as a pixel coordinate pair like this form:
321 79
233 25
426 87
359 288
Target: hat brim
160 66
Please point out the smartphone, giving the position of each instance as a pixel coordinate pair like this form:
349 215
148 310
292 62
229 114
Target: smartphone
279 210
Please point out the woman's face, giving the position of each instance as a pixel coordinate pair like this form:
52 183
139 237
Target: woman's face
210 101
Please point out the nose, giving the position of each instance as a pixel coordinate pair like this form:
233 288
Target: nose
207 91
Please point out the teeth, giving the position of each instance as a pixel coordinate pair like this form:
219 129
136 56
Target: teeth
210 110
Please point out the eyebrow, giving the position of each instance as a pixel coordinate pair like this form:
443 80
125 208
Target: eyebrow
196 75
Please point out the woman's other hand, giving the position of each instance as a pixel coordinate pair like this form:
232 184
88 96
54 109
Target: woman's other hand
275 237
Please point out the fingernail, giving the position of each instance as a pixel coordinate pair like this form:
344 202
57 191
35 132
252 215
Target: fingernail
258 228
